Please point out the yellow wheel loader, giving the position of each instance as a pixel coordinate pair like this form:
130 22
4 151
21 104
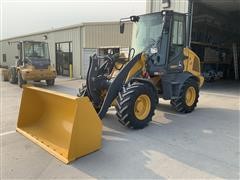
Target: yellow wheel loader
33 64
159 65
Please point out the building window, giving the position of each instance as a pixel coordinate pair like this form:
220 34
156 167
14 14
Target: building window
4 58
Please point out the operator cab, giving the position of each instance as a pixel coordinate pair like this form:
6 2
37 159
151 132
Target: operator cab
162 37
33 53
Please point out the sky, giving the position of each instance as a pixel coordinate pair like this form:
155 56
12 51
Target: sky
20 17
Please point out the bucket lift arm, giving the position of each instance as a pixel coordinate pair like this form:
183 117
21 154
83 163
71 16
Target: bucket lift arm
97 81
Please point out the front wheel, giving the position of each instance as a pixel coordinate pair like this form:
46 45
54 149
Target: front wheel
20 80
13 75
188 98
50 82
135 105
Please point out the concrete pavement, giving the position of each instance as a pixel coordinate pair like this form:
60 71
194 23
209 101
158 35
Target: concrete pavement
203 144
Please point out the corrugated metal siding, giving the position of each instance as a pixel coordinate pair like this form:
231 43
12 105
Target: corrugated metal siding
10 52
89 35
72 35
82 36
107 35
175 5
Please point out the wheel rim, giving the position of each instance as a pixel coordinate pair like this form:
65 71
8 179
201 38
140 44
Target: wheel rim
142 107
190 96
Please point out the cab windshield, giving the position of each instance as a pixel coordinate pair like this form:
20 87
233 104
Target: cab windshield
147 32
36 50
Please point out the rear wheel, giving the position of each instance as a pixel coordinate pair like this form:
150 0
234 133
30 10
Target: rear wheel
13 75
188 98
20 80
136 104
50 82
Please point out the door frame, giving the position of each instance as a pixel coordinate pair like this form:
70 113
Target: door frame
70 50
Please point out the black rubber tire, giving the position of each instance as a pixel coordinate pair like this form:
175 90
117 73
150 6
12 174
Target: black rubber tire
50 82
20 80
125 104
82 91
179 104
13 75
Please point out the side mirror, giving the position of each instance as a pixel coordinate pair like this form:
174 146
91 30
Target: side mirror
134 18
122 24
16 57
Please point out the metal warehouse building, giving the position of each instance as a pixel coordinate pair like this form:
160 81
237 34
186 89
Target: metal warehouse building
73 45
214 33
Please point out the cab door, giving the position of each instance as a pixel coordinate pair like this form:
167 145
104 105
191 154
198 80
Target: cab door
177 43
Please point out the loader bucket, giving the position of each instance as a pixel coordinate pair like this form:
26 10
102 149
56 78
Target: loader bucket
66 126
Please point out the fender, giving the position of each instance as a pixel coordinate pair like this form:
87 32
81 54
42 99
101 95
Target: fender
172 84
146 81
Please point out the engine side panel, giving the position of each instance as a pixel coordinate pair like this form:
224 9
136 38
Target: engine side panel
192 65
172 84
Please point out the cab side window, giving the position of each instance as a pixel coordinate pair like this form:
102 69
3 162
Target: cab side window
177 40
177 35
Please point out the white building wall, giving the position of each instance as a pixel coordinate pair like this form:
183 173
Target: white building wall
107 34
10 51
68 35
175 5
